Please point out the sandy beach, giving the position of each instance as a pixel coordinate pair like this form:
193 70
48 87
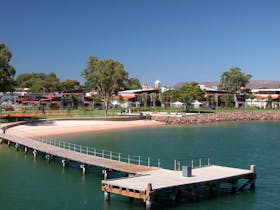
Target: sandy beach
75 127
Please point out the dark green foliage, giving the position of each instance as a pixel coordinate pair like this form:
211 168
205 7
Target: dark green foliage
7 71
132 84
269 102
38 82
68 84
232 80
190 92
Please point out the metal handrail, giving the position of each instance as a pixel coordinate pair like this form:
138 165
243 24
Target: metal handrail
193 162
102 153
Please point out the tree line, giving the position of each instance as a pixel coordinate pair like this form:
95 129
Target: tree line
107 77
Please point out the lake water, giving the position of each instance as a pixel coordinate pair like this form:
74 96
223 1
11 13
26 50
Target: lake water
30 184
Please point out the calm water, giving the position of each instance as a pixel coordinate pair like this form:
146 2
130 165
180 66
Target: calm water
33 184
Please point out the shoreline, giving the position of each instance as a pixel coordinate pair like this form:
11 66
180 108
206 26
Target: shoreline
70 127
217 118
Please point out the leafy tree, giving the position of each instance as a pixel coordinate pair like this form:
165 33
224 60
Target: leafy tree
166 97
106 76
51 82
269 102
96 99
7 71
228 100
144 99
190 92
74 100
154 98
38 82
233 79
69 85
211 101
133 83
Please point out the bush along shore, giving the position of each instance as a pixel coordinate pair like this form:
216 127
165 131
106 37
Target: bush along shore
217 117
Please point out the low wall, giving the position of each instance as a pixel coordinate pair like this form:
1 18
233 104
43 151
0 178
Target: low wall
217 117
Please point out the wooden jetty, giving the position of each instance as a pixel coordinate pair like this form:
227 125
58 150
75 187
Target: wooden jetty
145 182
152 184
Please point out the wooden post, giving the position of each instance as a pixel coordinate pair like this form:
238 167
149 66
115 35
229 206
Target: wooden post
194 193
172 197
253 169
83 167
48 157
106 196
148 204
175 165
63 163
105 174
17 146
252 180
34 153
25 150
149 200
234 186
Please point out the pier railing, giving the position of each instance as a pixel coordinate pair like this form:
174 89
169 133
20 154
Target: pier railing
101 153
194 162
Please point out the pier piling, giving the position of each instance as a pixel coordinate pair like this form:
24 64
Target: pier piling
106 196
34 153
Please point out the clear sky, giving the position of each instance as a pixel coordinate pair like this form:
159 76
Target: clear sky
168 40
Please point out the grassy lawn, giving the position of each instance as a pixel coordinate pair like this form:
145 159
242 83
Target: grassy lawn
92 113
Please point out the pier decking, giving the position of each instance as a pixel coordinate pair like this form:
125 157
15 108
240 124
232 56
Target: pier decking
147 182
152 183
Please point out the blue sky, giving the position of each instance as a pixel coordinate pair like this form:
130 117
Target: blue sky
168 40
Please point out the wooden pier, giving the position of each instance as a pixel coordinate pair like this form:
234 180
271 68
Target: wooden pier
145 182
152 184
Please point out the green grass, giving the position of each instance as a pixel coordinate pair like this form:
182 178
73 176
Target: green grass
92 113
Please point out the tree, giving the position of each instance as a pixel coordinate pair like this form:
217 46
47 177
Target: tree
165 98
228 100
133 83
144 99
69 85
233 79
154 97
38 82
106 76
190 92
269 102
7 71
51 82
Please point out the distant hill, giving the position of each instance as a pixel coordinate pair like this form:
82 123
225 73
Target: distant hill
254 84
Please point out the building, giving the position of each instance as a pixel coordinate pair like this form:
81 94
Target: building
260 98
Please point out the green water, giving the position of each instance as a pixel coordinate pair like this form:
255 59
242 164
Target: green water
26 183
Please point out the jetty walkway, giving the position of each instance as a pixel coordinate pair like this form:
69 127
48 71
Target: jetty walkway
146 180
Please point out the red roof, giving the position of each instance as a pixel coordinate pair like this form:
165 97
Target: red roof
126 96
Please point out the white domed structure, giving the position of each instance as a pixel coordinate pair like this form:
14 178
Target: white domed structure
157 84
